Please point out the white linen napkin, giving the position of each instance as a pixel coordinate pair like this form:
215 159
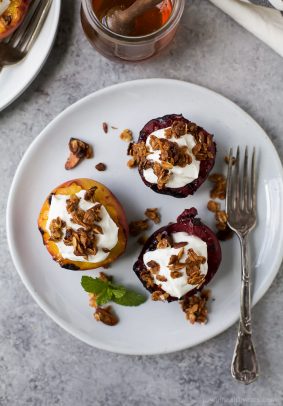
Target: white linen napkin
263 18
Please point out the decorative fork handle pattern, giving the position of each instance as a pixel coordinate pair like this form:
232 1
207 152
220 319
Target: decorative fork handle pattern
244 364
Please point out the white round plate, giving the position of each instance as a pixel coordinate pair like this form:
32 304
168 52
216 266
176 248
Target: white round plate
14 79
154 327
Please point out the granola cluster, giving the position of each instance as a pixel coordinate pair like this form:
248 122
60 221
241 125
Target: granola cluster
84 239
171 154
195 307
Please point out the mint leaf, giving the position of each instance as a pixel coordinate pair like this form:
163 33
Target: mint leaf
104 297
130 298
92 285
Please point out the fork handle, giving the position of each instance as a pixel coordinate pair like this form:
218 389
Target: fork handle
244 364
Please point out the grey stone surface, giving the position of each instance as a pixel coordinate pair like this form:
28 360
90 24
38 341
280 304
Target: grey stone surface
40 364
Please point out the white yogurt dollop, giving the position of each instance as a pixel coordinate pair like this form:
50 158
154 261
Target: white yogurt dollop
4 4
177 287
179 176
108 239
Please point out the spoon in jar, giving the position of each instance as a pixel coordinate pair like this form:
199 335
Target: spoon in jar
121 21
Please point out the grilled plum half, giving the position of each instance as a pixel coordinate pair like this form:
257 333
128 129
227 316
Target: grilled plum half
206 165
187 222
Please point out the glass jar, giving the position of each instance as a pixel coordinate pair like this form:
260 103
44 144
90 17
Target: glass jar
120 47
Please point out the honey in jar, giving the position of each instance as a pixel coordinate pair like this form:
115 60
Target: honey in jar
150 32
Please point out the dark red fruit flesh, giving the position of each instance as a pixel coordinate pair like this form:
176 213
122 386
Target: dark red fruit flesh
205 166
187 222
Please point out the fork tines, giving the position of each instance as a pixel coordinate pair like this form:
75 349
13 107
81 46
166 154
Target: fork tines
241 184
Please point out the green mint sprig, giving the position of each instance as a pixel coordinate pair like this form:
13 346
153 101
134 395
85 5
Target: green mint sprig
107 291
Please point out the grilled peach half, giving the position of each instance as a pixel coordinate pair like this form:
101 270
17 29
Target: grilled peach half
13 17
111 204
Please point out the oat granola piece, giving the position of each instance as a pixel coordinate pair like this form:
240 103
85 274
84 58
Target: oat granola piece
153 267
100 167
56 229
153 214
213 206
78 151
163 241
126 135
219 188
137 227
159 295
106 316
131 163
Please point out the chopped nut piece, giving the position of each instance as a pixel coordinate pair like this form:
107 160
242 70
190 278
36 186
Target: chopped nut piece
213 206
56 229
78 151
142 239
195 307
153 215
106 316
100 167
136 227
126 135
105 127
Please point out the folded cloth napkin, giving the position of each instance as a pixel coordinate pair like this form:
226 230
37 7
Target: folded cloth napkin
263 18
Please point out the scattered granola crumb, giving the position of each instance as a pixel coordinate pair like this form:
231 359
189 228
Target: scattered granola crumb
159 295
106 316
136 227
131 163
219 189
78 151
152 214
105 127
226 160
195 307
100 167
213 206
114 128
126 135
142 239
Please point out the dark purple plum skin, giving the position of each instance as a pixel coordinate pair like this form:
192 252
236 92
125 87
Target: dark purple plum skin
189 223
205 166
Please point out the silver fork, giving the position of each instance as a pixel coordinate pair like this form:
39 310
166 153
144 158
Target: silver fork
20 42
241 211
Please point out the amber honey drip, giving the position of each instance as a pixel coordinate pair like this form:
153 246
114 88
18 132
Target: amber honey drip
148 22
